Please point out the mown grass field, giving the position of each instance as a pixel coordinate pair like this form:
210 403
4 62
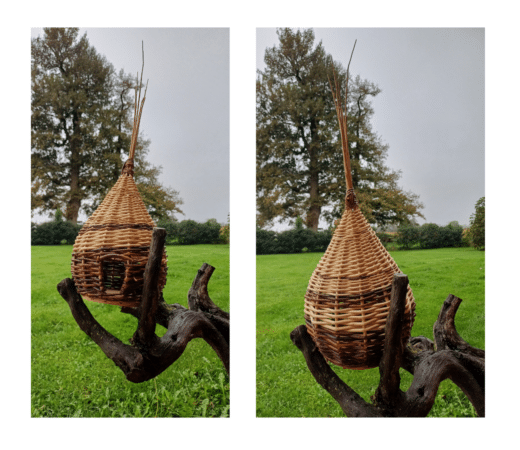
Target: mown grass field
72 377
286 388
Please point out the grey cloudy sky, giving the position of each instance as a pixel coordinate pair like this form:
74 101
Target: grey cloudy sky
186 113
430 111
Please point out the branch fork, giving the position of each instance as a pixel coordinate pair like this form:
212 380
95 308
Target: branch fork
148 355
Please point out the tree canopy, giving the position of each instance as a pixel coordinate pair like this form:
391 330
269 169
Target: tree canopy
299 157
81 127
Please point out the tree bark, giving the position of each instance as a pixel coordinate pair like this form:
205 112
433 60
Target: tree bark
148 355
430 363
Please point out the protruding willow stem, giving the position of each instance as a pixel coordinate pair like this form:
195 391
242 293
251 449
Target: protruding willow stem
341 112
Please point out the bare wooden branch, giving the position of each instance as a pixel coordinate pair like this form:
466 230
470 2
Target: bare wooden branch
150 355
145 332
445 333
199 300
351 403
388 391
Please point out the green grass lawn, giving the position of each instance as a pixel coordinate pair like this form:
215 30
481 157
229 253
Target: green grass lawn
72 377
286 388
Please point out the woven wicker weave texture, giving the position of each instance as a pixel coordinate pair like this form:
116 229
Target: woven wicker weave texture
348 297
111 250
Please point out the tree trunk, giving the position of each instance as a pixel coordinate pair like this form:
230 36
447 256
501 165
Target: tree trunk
313 215
430 363
148 355
74 202
314 211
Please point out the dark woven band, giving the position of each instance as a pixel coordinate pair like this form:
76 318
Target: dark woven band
118 226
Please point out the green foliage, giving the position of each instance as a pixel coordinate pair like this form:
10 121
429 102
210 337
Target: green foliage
477 230
291 241
72 377
385 238
298 223
224 234
452 235
408 236
430 235
58 216
190 232
171 228
54 233
286 388
265 242
299 158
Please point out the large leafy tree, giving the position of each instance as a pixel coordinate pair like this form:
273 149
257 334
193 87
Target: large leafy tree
81 128
299 158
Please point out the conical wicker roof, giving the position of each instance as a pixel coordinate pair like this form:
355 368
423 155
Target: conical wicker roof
111 250
121 221
348 296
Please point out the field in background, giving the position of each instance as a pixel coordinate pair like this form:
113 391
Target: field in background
286 388
72 377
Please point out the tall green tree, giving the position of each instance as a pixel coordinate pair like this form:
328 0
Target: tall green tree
299 158
81 129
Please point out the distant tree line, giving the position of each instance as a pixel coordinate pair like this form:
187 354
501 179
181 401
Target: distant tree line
189 232
297 240
431 235
186 232
426 236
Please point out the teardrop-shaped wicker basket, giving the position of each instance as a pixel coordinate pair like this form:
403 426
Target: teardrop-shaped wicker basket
348 297
111 250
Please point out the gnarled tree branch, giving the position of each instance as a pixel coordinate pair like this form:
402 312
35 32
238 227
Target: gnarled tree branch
148 355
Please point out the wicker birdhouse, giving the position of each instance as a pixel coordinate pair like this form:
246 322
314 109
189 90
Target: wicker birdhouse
111 251
348 297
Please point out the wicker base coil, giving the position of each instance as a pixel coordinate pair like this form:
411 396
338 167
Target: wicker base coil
348 297
336 326
113 276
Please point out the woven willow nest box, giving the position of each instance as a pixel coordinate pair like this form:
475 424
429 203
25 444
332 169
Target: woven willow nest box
111 251
348 297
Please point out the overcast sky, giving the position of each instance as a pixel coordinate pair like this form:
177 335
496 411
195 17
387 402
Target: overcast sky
430 111
186 113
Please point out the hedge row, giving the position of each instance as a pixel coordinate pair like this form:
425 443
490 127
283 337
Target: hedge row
425 236
291 241
430 235
54 233
187 232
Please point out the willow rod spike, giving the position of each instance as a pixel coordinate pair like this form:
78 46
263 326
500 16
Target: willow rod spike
138 109
342 119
